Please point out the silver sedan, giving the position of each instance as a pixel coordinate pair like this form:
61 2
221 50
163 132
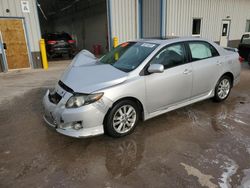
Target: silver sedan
138 80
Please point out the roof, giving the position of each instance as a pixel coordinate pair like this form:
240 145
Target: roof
168 40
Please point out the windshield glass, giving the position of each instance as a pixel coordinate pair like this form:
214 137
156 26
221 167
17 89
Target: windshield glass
128 56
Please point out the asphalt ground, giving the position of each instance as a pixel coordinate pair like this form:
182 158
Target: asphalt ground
206 144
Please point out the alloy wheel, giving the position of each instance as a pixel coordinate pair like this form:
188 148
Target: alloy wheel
223 88
124 119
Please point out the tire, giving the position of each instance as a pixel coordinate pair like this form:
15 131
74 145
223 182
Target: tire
223 88
118 123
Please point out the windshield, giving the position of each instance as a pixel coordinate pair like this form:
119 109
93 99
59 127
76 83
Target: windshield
245 39
128 56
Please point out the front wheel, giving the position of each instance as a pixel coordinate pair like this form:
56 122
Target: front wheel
223 88
122 119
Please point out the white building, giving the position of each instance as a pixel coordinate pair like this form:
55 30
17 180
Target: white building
99 21
223 21
19 34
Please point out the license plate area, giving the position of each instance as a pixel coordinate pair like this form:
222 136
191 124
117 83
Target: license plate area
54 97
50 120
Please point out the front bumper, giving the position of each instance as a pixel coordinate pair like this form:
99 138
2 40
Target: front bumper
62 119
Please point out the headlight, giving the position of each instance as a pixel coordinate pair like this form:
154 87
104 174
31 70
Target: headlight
78 100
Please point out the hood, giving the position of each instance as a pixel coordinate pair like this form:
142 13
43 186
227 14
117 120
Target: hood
86 75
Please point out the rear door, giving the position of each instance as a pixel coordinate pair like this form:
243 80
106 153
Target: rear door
174 85
206 65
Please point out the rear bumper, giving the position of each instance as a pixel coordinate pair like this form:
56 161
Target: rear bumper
63 120
60 50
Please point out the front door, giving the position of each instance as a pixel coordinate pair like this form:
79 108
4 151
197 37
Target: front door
174 85
15 43
225 33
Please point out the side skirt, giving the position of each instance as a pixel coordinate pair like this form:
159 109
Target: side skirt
176 106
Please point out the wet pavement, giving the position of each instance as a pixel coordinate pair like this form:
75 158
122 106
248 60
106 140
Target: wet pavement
203 145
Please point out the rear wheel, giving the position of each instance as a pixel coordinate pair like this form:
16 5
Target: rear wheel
223 88
122 119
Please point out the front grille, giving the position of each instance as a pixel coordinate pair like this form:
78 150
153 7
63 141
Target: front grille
54 97
66 88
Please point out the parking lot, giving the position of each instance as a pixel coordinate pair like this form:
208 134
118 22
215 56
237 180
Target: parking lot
203 145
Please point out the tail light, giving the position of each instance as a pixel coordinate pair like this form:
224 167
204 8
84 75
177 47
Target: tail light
241 59
71 41
51 42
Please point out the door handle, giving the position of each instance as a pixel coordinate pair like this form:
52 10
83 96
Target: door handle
187 71
219 63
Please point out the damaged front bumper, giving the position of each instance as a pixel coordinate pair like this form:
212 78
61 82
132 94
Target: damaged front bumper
79 122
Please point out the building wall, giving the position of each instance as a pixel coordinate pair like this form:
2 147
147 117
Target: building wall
31 22
180 14
124 19
151 11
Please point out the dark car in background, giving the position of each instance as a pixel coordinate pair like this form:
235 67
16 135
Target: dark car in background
244 47
58 44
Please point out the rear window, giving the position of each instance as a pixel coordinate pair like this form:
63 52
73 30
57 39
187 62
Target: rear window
202 50
63 36
245 39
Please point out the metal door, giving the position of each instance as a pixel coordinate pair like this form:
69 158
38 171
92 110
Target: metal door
15 44
225 33
151 19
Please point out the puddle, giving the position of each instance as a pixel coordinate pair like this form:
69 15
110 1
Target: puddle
248 150
203 179
245 183
230 168
240 121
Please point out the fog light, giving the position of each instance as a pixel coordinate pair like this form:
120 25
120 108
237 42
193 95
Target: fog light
77 125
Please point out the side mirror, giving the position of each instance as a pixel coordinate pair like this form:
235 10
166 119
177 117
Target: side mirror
156 68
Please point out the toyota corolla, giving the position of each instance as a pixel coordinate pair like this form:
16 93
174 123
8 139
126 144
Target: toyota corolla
138 80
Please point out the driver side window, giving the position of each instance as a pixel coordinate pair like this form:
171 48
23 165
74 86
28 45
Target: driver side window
171 56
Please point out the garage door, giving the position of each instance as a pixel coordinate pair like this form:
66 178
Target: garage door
14 40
